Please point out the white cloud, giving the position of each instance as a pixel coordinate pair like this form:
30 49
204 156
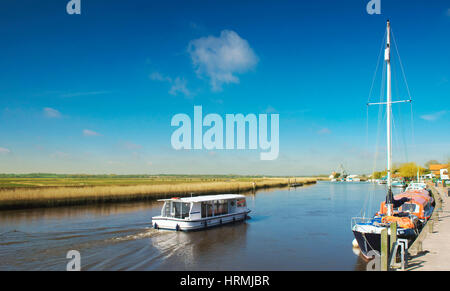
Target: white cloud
51 113
324 131
88 132
4 151
179 85
270 110
434 116
156 76
221 58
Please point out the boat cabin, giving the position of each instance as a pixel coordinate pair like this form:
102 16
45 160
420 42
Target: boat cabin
420 204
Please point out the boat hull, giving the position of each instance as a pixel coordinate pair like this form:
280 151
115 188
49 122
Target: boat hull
372 241
368 242
188 225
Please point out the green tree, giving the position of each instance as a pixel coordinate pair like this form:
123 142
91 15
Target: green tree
379 175
376 175
409 170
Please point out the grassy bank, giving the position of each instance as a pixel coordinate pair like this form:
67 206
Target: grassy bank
49 192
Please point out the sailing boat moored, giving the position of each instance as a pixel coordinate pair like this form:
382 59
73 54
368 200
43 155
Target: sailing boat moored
410 210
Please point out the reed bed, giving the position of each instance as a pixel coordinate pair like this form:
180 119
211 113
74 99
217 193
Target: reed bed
63 196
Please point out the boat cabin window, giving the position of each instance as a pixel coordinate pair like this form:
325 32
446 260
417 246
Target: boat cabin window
241 203
166 209
220 207
176 209
409 207
207 209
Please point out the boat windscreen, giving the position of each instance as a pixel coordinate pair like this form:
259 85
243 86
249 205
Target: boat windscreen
176 209
409 207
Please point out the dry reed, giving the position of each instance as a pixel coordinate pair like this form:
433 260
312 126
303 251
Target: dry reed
59 196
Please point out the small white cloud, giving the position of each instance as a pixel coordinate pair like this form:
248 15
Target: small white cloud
156 76
179 85
270 110
324 131
88 132
222 58
434 116
51 113
4 151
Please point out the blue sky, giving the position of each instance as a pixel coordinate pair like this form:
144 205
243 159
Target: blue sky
95 93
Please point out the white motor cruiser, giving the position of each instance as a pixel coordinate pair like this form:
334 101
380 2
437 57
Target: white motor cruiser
190 213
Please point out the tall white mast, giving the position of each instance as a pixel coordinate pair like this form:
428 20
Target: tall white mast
387 58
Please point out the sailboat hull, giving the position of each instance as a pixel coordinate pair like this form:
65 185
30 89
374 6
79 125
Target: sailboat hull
372 241
368 242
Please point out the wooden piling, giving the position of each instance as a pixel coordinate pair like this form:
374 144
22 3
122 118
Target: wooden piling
430 225
384 249
393 239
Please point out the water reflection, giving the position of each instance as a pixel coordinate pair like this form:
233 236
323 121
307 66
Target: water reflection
17 217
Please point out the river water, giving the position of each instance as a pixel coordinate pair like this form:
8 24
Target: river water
306 228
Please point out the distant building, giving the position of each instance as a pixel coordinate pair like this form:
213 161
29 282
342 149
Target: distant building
436 168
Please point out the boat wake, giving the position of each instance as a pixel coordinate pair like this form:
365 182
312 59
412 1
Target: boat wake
147 233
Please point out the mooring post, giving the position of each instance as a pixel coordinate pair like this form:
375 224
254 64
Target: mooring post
419 247
393 239
384 249
430 225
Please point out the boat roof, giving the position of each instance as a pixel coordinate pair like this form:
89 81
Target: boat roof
204 198
418 184
419 197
